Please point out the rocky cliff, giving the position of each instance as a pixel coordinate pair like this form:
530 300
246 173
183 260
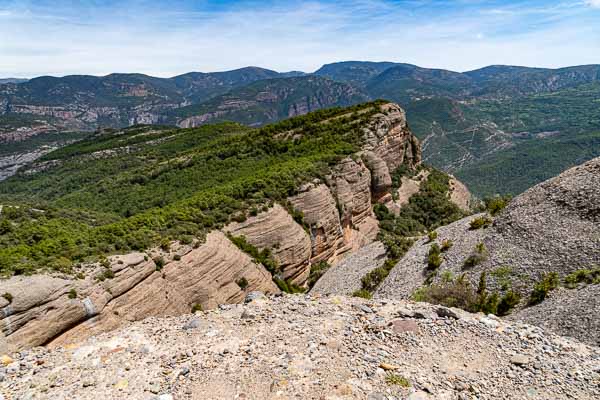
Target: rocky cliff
337 219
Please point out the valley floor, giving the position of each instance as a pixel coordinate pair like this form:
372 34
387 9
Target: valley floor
312 347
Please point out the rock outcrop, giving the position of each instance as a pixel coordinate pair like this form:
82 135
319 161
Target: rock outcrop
337 212
552 227
312 348
318 206
276 230
350 183
44 309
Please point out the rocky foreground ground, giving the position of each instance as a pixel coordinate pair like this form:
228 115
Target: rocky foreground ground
303 347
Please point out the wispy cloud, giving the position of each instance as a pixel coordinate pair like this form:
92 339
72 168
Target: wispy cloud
593 3
167 38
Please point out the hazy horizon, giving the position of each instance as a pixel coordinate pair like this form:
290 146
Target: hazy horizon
165 39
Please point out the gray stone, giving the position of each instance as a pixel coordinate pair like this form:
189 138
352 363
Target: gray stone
254 295
519 360
194 323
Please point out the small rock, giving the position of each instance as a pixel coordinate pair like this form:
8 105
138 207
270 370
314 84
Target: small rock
388 367
401 326
247 314
254 295
192 324
5 360
519 360
445 312
365 309
405 313
420 395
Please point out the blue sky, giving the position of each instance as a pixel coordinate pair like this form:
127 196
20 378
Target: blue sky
165 38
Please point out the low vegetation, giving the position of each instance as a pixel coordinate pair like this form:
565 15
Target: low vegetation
395 379
458 292
426 210
549 282
477 256
480 222
495 204
585 276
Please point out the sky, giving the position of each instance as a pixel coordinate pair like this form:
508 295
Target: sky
166 38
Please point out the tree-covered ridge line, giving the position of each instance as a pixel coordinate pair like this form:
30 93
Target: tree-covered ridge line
181 185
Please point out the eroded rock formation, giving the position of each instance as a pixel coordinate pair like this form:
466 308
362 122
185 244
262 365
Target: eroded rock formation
43 308
337 212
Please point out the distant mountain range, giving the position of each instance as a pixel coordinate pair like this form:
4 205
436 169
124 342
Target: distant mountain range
495 127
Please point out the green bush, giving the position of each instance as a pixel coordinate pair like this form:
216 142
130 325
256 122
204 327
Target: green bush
495 204
395 379
508 302
72 294
446 245
159 262
365 294
480 222
432 235
549 282
242 283
196 307
433 259
8 297
587 276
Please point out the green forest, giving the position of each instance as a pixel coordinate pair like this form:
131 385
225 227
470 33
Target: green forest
121 190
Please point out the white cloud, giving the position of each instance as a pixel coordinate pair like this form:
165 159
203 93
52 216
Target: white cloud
593 3
135 37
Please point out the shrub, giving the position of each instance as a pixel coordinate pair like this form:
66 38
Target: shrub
106 274
196 307
433 259
476 257
8 297
242 283
508 302
365 294
159 262
432 235
480 222
317 270
72 294
446 245
494 205
541 289
395 379
457 293
287 286
165 244
588 276
177 257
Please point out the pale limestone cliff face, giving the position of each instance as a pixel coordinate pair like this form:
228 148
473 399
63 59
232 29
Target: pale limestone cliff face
288 241
390 139
41 310
381 180
318 205
350 183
